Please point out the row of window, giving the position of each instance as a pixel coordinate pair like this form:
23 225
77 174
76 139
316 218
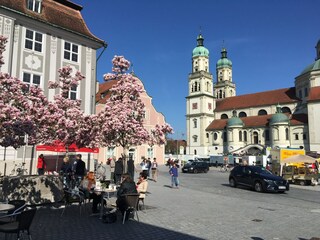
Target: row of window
260 113
32 79
306 93
34 41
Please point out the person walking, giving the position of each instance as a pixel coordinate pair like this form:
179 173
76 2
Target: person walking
148 167
174 176
131 168
154 170
41 164
118 170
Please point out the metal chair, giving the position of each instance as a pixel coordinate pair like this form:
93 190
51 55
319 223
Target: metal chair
132 202
22 224
73 196
19 206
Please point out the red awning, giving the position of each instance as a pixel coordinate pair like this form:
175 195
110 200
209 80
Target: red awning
57 146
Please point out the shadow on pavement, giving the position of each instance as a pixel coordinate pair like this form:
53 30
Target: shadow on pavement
49 225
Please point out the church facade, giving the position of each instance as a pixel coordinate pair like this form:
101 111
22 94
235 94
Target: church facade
220 122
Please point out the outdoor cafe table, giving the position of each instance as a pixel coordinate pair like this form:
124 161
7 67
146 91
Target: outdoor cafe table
105 193
6 207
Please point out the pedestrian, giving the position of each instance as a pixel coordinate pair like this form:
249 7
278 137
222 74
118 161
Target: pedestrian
148 166
41 164
66 171
131 168
174 176
154 170
144 166
79 169
118 170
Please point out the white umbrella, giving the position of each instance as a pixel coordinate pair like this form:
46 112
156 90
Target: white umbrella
299 158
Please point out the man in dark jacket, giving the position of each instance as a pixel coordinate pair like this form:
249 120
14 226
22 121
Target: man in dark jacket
131 168
80 167
118 170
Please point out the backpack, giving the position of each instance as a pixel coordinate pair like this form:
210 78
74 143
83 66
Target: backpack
109 217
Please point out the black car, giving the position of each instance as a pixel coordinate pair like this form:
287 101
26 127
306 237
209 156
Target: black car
257 178
195 167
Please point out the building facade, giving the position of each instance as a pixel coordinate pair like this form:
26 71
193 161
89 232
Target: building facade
223 123
152 117
43 36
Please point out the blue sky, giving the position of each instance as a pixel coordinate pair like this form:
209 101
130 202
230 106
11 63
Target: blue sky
268 42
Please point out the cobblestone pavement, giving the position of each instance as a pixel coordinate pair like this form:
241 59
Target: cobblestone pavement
204 207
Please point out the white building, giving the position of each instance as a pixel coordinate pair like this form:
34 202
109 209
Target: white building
219 122
43 36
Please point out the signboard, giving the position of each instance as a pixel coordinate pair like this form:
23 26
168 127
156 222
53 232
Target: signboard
285 153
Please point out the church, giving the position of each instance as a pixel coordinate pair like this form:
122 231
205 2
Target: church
220 122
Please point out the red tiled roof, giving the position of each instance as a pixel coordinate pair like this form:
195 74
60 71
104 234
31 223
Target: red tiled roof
60 13
257 121
103 94
285 95
314 94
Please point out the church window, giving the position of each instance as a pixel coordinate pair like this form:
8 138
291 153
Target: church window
255 138
196 69
196 62
287 134
242 114
300 93
194 105
195 152
304 136
224 116
262 112
209 106
285 110
215 136
267 135
296 136
207 135
306 92
245 136
225 137
240 136
195 123
220 94
198 86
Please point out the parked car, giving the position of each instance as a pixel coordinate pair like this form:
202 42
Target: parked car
195 167
257 178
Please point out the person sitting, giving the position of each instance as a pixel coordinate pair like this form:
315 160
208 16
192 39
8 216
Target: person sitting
142 186
87 185
127 186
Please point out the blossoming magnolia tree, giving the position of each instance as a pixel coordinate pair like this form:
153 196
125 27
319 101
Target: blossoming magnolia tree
23 109
72 126
123 116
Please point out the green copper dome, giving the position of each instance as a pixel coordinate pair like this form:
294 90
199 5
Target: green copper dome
312 67
279 117
224 61
200 50
234 121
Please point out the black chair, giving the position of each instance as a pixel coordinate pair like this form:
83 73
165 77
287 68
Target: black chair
19 206
21 225
73 196
132 202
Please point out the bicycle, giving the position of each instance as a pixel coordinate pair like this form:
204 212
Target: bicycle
19 170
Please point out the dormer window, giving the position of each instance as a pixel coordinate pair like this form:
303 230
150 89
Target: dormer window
34 5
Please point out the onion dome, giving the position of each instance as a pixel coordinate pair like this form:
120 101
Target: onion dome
234 121
279 117
200 50
224 61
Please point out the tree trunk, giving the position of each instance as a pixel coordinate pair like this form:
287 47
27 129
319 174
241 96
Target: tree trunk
125 156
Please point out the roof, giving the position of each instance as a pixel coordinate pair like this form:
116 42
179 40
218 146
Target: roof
314 94
58 13
257 121
312 67
267 98
103 94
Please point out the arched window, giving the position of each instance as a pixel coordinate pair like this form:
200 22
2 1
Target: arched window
198 86
242 114
215 136
195 152
225 139
220 94
286 110
207 135
287 134
245 136
255 138
240 136
262 112
195 123
266 135
224 116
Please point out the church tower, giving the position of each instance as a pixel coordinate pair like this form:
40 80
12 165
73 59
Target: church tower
200 101
224 87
